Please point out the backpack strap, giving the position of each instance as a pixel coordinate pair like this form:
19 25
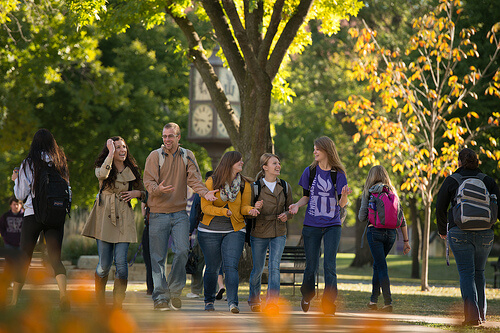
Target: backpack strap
285 190
256 190
186 157
182 152
457 177
333 175
481 176
312 174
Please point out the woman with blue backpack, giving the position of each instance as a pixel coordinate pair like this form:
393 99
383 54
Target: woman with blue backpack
380 207
325 192
467 227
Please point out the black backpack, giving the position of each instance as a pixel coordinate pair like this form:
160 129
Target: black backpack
52 200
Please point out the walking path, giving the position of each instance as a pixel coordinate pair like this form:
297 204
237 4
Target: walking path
139 316
39 300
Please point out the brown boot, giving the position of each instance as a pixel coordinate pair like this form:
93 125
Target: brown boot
119 292
100 289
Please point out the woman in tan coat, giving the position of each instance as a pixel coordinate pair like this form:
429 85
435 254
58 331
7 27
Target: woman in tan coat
272 197
112 221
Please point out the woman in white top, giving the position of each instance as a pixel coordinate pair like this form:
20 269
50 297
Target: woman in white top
43 152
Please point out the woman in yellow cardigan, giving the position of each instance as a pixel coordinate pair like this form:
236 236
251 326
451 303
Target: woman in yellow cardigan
221 233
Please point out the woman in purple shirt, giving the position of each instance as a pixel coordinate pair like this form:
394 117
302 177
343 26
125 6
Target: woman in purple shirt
320 182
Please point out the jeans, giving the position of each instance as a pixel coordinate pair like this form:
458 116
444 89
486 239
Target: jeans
312 246
259 250
108 252
161 227
471 250
380 242
226 249
147 259
197 277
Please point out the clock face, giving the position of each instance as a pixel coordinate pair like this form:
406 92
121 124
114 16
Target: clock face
200 89
202 120
221 129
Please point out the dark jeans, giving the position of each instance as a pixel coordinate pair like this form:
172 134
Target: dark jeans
380 242
471 250
312 246
197 277
30 231
259 251
147 259
226 249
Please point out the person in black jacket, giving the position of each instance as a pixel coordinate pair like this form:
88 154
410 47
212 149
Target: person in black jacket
470 248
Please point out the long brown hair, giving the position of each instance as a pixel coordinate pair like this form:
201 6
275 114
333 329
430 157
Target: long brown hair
377 174
44 143
129 162
326 145
223 172
264 159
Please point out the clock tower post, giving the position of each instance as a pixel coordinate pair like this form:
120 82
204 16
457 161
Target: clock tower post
205 127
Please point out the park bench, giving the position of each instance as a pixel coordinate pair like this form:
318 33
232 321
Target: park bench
496 273
293 261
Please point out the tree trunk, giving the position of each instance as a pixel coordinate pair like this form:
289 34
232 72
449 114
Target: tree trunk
363 255
255 130
425 250
415 239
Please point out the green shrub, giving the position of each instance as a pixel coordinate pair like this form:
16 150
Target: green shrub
75 246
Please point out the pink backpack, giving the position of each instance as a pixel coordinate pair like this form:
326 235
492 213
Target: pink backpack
384 210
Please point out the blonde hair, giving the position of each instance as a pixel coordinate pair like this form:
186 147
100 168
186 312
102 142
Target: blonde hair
326 145
377 174
264 159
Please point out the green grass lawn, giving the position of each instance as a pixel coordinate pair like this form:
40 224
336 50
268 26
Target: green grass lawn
443 298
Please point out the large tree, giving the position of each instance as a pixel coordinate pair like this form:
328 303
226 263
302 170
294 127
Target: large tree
256 37
85 88
418 116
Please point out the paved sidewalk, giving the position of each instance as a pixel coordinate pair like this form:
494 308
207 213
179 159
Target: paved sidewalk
139 316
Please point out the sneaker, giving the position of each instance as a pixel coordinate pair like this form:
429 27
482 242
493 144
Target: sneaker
220 293
161 305
304 305
234 308
209 306
386 308
372 306
255 307
175 303
192 295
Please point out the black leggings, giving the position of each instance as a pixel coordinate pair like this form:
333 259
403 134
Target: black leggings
30 231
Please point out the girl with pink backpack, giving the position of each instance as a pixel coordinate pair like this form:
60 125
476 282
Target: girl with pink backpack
381 209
